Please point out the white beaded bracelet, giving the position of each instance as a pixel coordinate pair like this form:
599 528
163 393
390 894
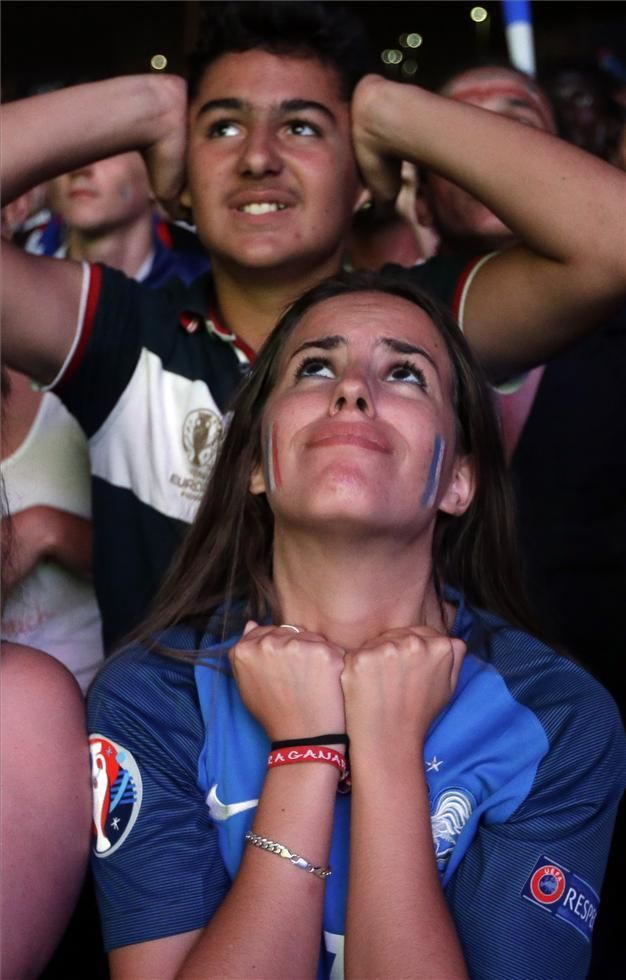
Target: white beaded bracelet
275 848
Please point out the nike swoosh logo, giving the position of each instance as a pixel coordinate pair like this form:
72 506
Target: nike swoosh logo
222 811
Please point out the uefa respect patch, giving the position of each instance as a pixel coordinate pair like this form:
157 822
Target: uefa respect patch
116 793
564 894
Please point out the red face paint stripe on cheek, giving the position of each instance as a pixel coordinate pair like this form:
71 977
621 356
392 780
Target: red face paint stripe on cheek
268 466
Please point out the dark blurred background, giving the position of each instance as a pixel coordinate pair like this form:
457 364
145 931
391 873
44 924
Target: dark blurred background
68 40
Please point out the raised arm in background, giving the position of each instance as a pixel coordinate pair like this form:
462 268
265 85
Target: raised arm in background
52 134
566 206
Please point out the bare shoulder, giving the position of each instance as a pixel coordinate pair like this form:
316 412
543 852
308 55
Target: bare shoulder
42 717
41 705
44 773
19 662
33 680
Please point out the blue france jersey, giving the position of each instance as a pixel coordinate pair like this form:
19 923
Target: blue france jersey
525 767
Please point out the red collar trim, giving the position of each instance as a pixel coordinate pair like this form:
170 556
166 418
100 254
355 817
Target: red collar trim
190 322
213 325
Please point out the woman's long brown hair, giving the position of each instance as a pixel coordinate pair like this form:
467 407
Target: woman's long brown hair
226 556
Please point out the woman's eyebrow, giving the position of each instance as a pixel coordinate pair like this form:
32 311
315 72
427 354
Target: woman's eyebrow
323 343
404 347
333 341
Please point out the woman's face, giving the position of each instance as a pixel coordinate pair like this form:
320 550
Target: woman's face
359 431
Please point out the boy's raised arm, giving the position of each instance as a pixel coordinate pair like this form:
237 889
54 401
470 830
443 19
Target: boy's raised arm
567 207
51 134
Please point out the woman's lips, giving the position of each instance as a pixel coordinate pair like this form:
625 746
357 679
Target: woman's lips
349 437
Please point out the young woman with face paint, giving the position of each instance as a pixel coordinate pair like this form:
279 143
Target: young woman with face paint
328 596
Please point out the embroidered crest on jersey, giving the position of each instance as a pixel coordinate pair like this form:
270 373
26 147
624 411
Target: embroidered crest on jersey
116 793
451 811
564 894
202 432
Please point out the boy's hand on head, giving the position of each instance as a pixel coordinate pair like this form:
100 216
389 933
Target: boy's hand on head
380 167
165 157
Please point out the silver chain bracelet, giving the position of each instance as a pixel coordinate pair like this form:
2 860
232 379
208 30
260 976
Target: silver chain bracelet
275 848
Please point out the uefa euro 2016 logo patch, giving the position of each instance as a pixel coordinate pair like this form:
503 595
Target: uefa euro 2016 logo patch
562 893
117 790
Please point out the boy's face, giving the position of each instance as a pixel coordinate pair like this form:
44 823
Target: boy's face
105 196
272 177
458 216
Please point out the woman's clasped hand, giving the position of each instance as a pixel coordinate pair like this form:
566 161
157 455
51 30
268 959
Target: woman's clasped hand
394 685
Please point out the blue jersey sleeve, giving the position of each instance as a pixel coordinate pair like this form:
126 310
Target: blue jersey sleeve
156 863
526 894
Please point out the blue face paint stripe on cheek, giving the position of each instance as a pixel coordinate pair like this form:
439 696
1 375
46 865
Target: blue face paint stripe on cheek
434 472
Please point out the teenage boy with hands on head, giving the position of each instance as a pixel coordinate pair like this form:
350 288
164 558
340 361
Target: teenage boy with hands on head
284 144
